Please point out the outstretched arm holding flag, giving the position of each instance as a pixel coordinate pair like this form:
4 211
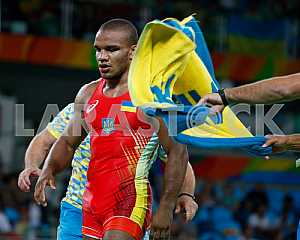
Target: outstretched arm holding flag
276 89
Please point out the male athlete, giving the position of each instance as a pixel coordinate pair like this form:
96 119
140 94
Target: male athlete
117 200
71 214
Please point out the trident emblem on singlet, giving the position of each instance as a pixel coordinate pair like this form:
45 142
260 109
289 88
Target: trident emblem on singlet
108 125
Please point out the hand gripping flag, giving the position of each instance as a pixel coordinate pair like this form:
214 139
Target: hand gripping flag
169 73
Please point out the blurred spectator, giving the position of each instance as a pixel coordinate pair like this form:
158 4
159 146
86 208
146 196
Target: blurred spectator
12 199
261 223
5 226
34 215
207 196
49 24
182 231
248 233
228 6
229 197
287 219
257 196
243 212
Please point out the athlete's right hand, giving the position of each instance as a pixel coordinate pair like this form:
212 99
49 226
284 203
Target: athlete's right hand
161 223
24 178
46 179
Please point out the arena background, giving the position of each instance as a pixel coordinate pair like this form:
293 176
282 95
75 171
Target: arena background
46 54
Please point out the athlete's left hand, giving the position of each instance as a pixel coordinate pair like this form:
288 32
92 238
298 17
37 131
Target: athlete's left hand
161 223
187 206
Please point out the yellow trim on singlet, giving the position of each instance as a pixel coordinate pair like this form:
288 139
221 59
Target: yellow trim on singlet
144 164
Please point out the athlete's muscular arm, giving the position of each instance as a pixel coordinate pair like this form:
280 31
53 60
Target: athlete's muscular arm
189 182
36 153
64 148
282 143
175 171
276 89
185 202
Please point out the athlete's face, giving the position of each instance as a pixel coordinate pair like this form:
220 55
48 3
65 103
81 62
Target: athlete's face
113 53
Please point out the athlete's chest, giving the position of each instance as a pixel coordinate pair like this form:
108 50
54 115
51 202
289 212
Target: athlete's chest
108 116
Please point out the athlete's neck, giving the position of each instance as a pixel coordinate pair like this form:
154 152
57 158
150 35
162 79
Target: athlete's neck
116 87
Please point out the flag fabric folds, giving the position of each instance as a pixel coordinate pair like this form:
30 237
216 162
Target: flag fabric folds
169 73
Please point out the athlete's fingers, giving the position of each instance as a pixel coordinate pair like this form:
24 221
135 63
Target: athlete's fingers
165 234
150 234
52 184
26 179
202 101
160 234
37 172
211 99
178 208
22 183
218 108
189 215
269 142
24 186
39 193
154 234
194 209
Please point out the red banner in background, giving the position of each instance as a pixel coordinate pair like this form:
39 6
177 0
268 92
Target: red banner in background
78 54
47 51
242 69
219 168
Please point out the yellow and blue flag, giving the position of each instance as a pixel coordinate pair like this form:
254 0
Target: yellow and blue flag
169 73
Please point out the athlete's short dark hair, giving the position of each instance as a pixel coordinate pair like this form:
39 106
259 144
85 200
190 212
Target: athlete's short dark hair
124 25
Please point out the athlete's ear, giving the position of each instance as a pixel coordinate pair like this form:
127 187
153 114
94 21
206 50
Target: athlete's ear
131 52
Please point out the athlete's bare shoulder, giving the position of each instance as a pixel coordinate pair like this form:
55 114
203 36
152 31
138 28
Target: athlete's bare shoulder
86 92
